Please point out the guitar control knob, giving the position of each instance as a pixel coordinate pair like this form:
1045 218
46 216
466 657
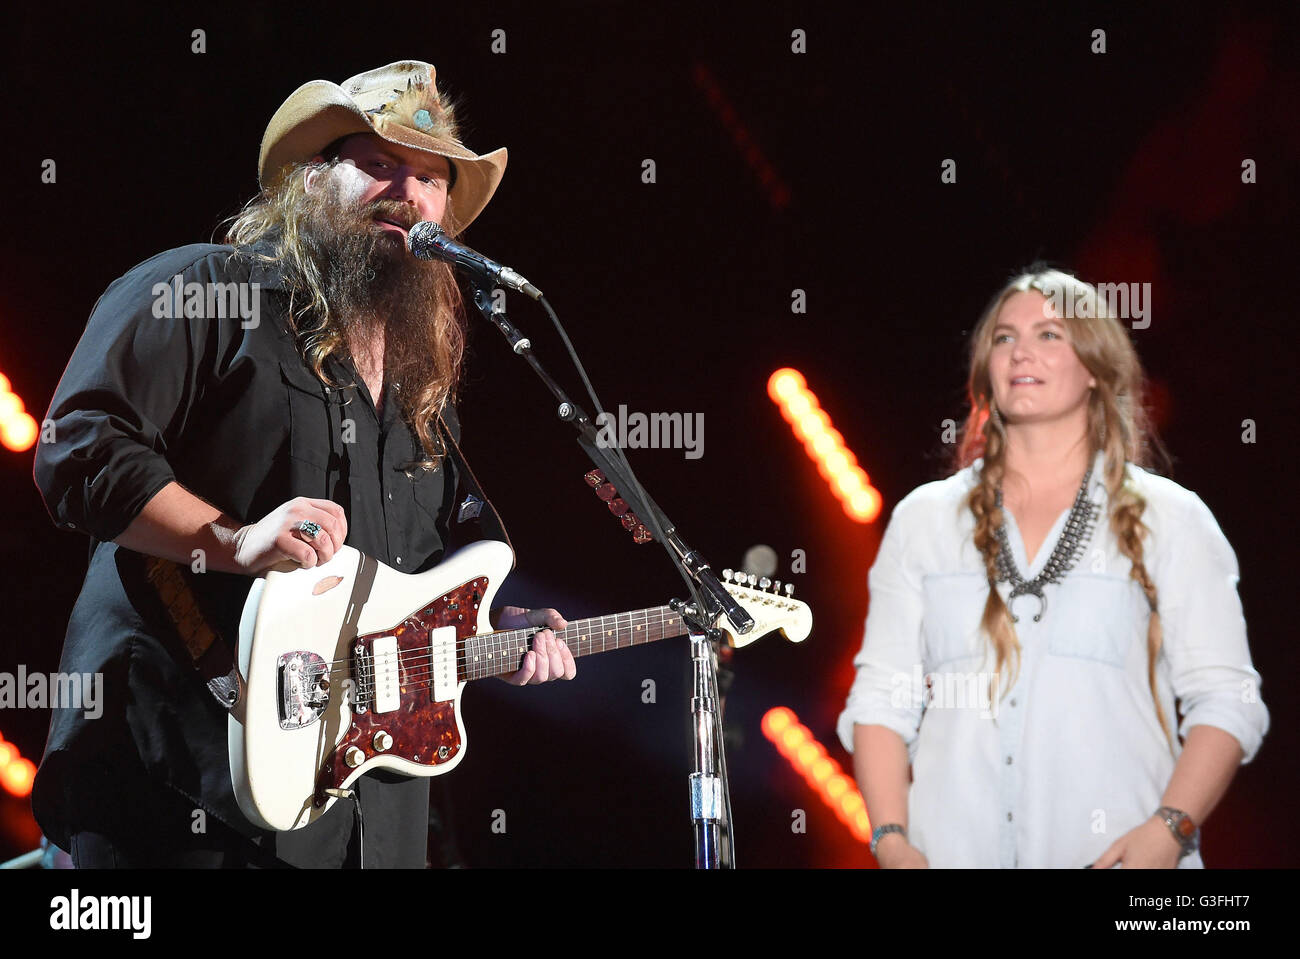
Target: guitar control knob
354 757
382 741
442 752
324 684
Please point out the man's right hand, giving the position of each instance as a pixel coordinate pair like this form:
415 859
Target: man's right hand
179 526
895 852
276 538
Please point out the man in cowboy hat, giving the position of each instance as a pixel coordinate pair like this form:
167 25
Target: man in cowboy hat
226 441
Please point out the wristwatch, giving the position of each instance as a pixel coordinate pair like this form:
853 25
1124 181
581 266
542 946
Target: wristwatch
1184 830
880 832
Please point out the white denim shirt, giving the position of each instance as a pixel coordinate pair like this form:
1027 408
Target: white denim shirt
1053 770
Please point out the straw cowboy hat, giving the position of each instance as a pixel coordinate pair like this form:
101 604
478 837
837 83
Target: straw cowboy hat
399 102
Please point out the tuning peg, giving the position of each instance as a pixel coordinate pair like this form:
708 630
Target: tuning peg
726 574
776 587
764 583
789 589
753 580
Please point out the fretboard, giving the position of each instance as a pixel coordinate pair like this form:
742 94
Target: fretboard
492 654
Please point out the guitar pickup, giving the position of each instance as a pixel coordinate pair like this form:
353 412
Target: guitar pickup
385 674
442 664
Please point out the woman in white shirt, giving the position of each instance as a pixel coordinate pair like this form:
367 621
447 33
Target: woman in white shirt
1037 716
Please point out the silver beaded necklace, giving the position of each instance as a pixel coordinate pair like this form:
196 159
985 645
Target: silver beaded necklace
1069 548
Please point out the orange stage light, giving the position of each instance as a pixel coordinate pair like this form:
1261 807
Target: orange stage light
838 791
17 428
824 444
16 773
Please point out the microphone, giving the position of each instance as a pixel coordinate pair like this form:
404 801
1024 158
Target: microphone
428 242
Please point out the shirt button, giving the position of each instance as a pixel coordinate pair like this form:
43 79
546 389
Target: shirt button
399 561
1013 702
390 494
1008 817
1008 760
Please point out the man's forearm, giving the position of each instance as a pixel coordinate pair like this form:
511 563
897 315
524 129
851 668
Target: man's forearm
1208 762
175 522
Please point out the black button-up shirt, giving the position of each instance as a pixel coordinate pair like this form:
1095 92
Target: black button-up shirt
224 404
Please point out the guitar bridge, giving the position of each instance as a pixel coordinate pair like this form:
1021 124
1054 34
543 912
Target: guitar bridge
363 670
304 680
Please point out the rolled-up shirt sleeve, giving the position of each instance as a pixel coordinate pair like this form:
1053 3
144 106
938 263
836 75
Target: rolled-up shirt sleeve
124 398
1204 633
888 665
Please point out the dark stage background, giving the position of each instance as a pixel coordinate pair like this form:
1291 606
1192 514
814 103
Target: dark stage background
775 171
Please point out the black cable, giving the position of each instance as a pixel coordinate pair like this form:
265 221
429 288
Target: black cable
650 519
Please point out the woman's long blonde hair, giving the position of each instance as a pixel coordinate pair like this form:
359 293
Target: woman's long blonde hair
1117 424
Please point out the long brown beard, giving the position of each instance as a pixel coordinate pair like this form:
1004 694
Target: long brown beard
346 275
371 281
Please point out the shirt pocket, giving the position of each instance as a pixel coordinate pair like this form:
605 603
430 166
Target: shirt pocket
950 623
309 420
429 489
1096 618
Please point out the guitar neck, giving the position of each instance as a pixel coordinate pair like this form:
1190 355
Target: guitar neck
496 654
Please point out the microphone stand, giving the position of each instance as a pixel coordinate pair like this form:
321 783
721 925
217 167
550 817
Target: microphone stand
710 791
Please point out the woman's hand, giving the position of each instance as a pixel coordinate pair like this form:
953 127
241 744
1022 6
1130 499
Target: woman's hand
1149 846
895 852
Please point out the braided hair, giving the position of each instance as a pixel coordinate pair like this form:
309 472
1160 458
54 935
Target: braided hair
1117 424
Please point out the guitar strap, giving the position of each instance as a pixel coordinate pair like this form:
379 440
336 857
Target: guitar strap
212 655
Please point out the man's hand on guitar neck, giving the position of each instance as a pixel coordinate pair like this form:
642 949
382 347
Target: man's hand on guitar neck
549 658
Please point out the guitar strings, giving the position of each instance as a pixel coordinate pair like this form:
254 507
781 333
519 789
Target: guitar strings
417 680
414 660
499 643
490 650
420 663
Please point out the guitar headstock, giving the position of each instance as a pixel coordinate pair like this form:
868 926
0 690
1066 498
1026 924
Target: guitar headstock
772 606
618 506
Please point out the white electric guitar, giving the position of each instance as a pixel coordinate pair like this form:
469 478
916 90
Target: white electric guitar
351 666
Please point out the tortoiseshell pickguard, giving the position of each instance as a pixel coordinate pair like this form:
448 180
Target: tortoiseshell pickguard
419 726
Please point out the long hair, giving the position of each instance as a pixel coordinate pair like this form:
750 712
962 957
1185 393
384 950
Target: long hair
431 375
1117 424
